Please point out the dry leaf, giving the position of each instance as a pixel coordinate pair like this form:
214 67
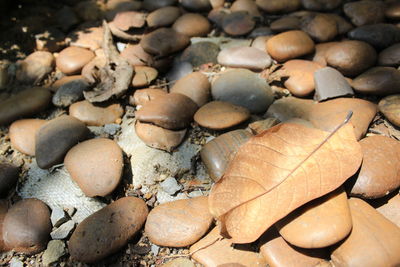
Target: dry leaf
278 171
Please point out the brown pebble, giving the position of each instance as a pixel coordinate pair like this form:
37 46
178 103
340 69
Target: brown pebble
164 41
90 38
365 12
321 53
136 56
22 135
163 17
284 24
9 175
72 59
144 76
390 56
321 27
192 24
129 19
34 67
142 96
378 81
278 6
238 23
246 5
390 107
389 207
64 80
244 57
195 86
96 115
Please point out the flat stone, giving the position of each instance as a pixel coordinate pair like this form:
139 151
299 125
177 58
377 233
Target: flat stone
22 135
63 231
195 86
319 223
96 115
158 137
378 81
321 27
192 24
278 6
163 17
379 35
151 5
287 23
219 115
70 92
58 217
102 169
72 59
243 88
379 173
26 103
389 106
321 5
129 19
246 5
136 56
9 175
330 83
196 5
27 226
172 111
320 53
55 250
289 45
278 253
221 252
164 41
179 69
365 12
107 230
260 126
142 96
389 208
144 76
390 56
372 235
180 262
217 153
244 57
179 223
90 38
56 137
351 57
238 23
200 53
170 186
34 67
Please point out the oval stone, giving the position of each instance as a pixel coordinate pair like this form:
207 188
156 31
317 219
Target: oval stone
244 88
217 115
390 56
365 12
192 24
290 44
284 24
102 169
27 226
379 174
390 107
107 230
351 57
72 59
129 19
200 53
34 67
196 5
278 6
96 115
56 137
378 81
24 104
238 23
22 135
321 52
320 223
158 137
9 175
321 5
142 96
246 5
379 35
136 56
244 57
321 27
164 41
153 5
144 76
195 86
171 111
70 92
179 223
390 208
163 17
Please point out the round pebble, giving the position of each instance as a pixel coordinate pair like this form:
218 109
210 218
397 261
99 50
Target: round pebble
378 81
244 57
96 115
72 59
390 56
238 23
22 135
163 17
390 107
164 41
195 86
192 24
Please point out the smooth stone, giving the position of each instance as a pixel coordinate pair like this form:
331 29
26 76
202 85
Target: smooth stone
22 135
26 103
301 76
102 169
70 92
163 17
319 223
379 35
113 7
390 56
158 137
244 57
260 42
351 57
151 5
179 223
3 213
330 83
378 81
98 115
217 15
392 10
180 262
27 226
243 88
379 173
389 208
195 86
164 41
200 53
136 56
278 253
58 216
144 76
343 26
246 5
372 235
260 126
192 24
72 59
321 27
321 5
238 23
55 250
290 107
196 5
278 6
217 115
179 70
261 31
365 12
172 111
289 45
213 250
56 137
34 67
90 38
64 80
389 106
9 175
63 231
126 20
284 24
217 153
321 53
107 230
142 96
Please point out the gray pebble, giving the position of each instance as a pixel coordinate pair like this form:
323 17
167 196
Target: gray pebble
170 185
70 93
55 250
63 231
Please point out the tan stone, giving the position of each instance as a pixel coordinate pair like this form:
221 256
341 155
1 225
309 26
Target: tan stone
22 135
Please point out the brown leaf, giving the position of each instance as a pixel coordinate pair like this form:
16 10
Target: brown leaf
278 171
